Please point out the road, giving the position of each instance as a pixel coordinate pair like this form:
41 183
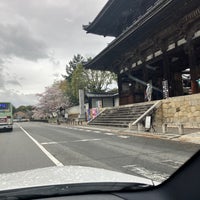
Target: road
38 145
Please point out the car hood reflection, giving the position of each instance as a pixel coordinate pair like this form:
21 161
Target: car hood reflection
65 175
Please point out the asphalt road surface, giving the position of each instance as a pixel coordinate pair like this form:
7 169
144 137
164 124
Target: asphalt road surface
38 145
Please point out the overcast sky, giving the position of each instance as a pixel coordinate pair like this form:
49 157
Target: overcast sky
38 38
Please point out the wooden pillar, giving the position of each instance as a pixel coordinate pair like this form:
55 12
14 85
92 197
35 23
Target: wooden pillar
167 72
178 85
194 71
119 82
90 102
145 73
145 78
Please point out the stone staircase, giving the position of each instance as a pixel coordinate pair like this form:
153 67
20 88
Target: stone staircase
121 116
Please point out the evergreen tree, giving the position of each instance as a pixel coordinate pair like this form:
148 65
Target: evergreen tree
71 66
90 80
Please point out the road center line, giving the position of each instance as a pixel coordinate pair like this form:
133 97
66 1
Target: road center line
49 155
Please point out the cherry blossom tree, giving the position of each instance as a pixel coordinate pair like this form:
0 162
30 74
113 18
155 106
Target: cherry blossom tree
50 101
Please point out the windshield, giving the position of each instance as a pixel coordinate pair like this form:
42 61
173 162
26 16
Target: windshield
4 106
110 85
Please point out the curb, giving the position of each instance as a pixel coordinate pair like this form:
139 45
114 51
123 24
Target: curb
193 138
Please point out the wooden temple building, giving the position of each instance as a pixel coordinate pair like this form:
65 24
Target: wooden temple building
156 41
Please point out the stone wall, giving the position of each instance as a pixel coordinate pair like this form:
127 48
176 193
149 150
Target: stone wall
183 109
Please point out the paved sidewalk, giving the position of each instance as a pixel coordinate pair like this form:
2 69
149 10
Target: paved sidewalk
191 135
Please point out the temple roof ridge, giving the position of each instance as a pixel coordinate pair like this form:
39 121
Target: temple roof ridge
117 16
131 29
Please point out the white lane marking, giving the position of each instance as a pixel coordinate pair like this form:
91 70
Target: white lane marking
61 142
44 143
49 155
88 130
150 174
71 128
97 131
173 164
108 133
127 166
124 136
49 143
87 140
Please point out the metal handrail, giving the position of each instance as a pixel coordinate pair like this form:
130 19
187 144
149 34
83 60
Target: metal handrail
155 106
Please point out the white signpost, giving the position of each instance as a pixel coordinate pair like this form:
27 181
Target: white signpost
148 122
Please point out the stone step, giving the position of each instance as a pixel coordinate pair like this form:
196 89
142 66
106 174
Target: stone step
131 108
120 116
113 122
132 111
109 124
116 119
123 115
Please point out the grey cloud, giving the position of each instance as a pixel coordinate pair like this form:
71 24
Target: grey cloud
1 78
18 99
31 30
1 62
68 20
13 82
56 75
17 40
7 78
53 60
59 23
